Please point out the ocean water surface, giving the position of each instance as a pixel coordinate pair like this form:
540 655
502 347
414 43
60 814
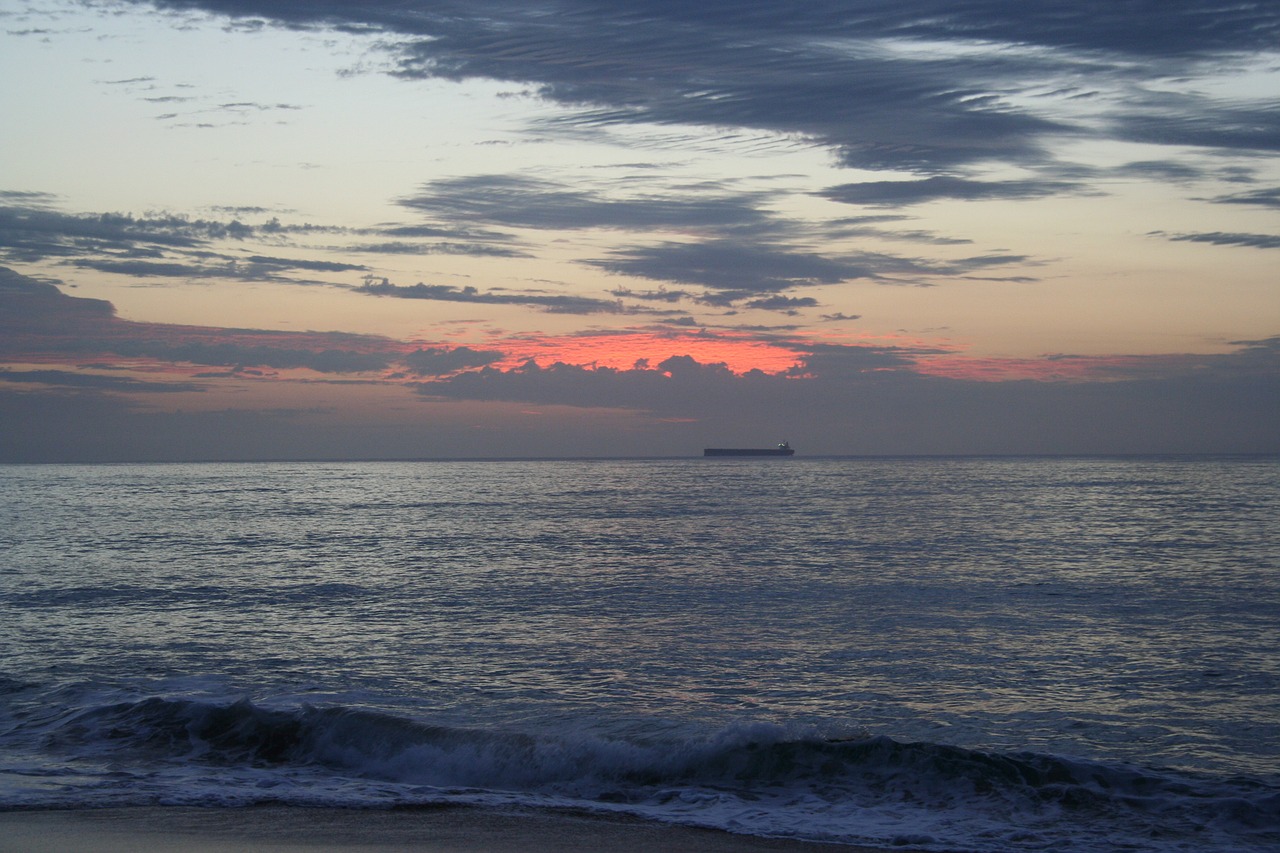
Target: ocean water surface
956 654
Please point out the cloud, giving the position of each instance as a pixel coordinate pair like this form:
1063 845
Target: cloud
836 398
147 269
253 106
896 193
1256 357
70 379
673 386
1162 170
551 303
452 233
732 262
786 304
252 268
684 386
1139 28
841 362
958 99
659 295
157 246
875 413
875 110
32 31
442 361
205 112
25 197
1266 197
226 348
873 399
38 321
478 250
865 226
679 384
28 306
1189 119
924 85
266 262
735 270
1220 238
92 425
868 400
517 202
31 233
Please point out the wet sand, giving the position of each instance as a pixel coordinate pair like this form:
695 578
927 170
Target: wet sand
278 829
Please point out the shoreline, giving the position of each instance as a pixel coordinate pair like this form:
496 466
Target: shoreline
428 829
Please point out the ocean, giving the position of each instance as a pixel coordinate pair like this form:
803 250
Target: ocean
992 654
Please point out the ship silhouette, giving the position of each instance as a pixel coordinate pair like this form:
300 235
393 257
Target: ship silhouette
783 449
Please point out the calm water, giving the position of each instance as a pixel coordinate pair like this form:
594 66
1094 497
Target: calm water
989 654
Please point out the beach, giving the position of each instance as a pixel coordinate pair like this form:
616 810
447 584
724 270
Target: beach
452 829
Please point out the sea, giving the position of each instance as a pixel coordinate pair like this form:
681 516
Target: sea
950 654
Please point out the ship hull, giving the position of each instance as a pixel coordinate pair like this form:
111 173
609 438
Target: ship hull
748 451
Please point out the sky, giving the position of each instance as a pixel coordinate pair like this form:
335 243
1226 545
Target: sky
368 229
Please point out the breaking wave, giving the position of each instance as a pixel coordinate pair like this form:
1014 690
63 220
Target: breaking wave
760 779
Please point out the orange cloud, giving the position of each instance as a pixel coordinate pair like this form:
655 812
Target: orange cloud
1043 369
740 352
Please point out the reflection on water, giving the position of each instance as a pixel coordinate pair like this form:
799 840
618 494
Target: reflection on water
1114 608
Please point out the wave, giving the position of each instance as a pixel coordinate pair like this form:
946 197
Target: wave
757 778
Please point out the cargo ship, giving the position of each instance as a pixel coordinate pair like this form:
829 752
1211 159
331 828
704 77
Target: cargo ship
783 449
